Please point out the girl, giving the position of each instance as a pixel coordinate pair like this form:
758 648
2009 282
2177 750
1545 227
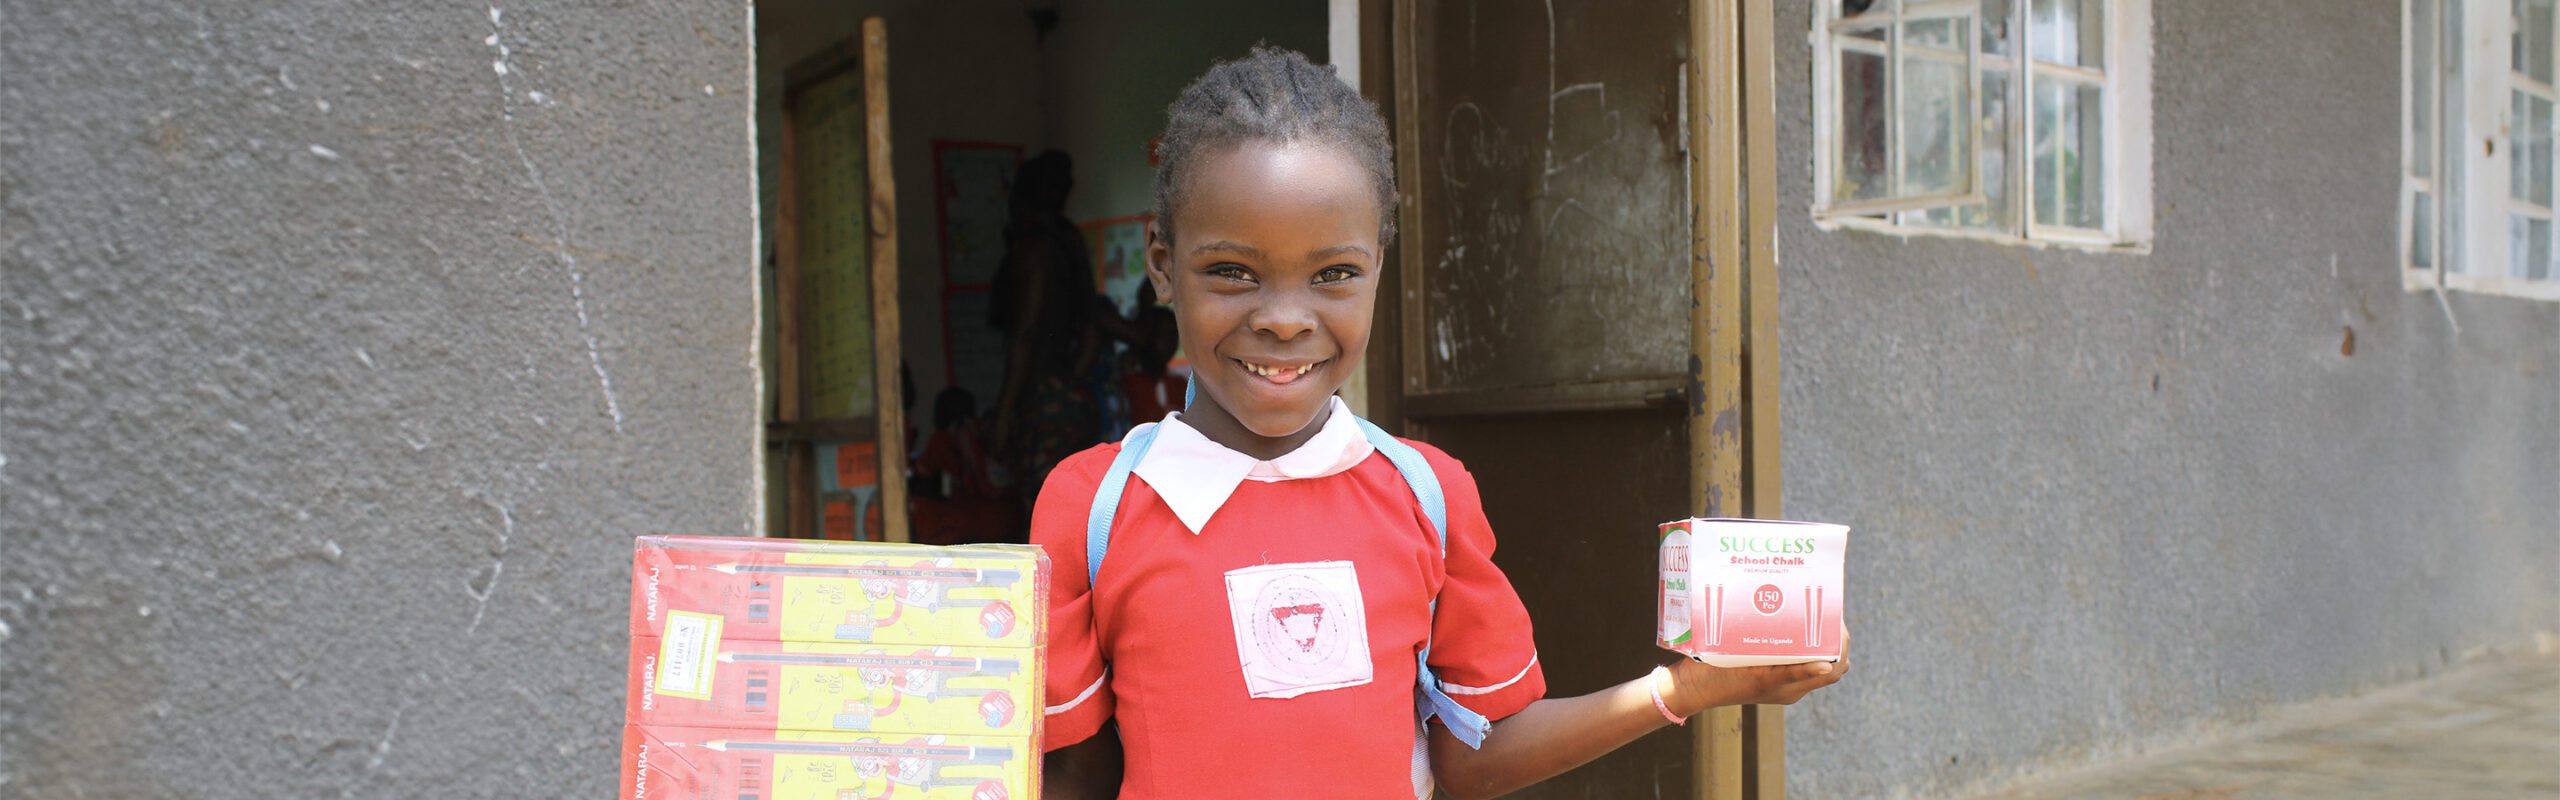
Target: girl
1271 571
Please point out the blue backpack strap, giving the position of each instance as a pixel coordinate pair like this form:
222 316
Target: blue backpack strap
1106 500
1429 699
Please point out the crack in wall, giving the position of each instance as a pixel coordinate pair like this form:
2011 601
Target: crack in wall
480 590
559 220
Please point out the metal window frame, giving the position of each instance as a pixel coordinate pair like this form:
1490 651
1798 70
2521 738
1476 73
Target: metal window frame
2122 77
2470 250
1892 16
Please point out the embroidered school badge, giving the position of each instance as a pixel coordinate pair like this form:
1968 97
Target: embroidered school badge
1299 627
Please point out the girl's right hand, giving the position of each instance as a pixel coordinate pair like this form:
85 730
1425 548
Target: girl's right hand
1698 686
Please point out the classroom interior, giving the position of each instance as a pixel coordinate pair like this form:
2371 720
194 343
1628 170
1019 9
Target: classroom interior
973 89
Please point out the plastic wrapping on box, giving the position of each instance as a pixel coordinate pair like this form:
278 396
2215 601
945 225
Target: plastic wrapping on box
704 763
835 687
789 590
773 669
1747 592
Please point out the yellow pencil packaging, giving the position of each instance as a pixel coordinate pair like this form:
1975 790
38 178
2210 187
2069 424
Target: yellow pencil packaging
710 682
782 590
806 765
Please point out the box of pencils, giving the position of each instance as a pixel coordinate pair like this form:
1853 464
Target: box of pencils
765 686
708 763
786 590
777 669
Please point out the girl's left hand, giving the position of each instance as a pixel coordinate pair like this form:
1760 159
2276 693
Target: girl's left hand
1697 686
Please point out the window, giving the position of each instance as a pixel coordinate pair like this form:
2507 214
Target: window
2012 119
2478 217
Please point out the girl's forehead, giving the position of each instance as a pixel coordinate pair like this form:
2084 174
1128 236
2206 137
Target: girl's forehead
1265 177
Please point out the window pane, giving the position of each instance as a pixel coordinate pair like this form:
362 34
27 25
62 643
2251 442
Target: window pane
1862 171
1937 123
2422 87
2422 226
2451 251
2528 246
1943 34
2544 268
1852 8
2529 162
2531 51
1995 26
1992 214
2069 32
2070 169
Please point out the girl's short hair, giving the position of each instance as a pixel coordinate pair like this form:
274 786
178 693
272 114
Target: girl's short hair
1272 95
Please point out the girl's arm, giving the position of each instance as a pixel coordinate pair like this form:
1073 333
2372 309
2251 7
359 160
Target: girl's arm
1559 734
1086 769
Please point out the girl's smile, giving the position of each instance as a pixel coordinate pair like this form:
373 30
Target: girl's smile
1271 264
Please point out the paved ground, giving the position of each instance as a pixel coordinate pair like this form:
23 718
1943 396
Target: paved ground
2487 729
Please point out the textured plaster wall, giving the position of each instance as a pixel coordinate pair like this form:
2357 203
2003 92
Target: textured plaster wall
2107 501
343 348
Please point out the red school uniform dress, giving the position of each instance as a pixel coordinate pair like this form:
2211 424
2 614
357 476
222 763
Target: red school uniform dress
1255 622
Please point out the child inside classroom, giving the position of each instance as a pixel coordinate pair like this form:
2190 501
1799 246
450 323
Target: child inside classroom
1261 595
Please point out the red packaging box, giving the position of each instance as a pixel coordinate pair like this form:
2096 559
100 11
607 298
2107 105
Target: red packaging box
765 686
778 669
713 764
786 590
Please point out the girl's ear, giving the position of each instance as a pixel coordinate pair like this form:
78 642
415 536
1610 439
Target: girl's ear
1160 264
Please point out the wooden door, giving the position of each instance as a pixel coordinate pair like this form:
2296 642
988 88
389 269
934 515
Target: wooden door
1562 321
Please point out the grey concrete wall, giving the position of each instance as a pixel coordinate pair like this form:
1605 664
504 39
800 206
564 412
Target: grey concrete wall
2103 501
343 348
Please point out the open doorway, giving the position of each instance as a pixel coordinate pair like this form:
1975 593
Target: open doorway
1020 139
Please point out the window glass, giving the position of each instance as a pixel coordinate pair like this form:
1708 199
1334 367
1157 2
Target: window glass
1937 110
2529 151
2069 32
1993 143
2531 51
1863 170
2528 247
2422 224
2422 87
2069 167
1996 16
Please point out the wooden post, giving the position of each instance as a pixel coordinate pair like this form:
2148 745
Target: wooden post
1716 273
1410 228
799 515
886 353
1764 728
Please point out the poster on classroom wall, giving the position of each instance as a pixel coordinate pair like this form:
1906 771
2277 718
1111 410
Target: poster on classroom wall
1119 249
972 190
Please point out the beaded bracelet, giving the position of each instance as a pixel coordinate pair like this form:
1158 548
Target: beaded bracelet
1653 683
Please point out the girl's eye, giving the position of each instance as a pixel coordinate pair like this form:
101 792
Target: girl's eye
1232 272
1336 275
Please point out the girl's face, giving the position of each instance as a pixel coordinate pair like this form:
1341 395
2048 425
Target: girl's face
1272 274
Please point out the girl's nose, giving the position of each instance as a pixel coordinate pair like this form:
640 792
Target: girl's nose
1285 317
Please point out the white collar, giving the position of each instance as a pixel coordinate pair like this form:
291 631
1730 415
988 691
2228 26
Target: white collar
1195 475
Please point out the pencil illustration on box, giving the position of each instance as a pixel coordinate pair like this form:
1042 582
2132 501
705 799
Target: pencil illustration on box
938 570
936 661
918 764
925 747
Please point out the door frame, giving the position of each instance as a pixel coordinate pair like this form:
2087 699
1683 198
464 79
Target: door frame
792 428
1732 392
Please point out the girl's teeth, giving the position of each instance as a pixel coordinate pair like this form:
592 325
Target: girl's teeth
1274 372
